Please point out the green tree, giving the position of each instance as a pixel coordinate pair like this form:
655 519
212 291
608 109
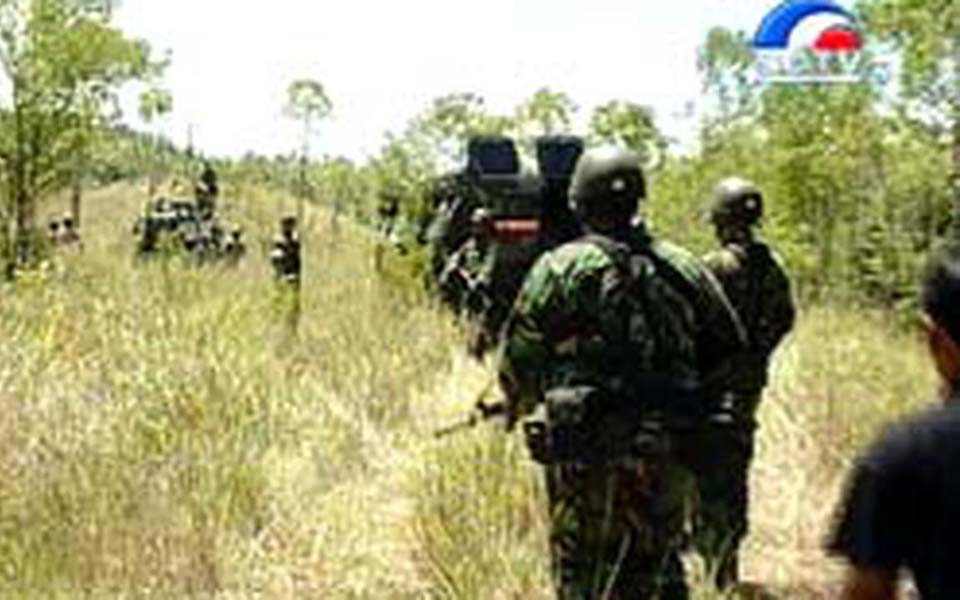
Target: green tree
927 34
64 61
307 101
450 121
630 125
154 104
545 113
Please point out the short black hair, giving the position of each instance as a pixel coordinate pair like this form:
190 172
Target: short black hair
940 297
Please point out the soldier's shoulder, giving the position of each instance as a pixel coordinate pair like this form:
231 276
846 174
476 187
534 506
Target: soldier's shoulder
574 257
680 258
723 260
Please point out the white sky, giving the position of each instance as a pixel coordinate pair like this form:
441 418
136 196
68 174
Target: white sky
383 61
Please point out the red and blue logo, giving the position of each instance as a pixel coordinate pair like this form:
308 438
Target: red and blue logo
813 41
820 25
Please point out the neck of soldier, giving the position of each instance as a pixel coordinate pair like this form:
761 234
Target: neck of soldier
606 225
735 236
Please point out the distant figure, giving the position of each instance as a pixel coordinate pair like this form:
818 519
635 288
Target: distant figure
69 236
207 190
754 280
902 504
462 283
388 211
285 256
53 232
235 249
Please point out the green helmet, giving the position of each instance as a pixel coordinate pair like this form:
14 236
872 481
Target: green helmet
607 180
736 201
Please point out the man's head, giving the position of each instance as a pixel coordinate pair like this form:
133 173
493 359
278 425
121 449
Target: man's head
736 207
54 226
67 221
940 302
606 189
481 224
288 225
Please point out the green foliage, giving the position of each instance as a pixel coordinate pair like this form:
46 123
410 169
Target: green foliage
65 62
632 126
545 113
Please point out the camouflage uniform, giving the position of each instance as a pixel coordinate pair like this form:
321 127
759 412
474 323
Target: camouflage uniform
463 282
68 233
584 317
207 190
285 258
755 282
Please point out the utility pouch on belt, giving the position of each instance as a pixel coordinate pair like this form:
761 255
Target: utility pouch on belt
580 424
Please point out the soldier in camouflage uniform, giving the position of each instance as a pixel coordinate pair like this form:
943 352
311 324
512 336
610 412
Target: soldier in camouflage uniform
285 256
462 283
754 280
53 232
641 323
68 233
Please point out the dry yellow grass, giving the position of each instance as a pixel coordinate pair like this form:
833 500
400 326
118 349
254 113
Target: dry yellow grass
163 435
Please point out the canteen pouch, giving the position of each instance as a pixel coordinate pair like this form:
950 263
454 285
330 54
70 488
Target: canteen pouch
567 428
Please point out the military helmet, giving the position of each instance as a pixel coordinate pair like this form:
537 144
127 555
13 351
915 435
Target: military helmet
481 216
736 201
607 181
67 220
288 223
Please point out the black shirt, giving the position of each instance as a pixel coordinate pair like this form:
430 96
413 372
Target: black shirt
902 508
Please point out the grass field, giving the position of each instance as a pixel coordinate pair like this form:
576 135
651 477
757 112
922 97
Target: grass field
164 434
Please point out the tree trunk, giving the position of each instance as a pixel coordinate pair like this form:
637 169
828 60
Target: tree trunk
76 196
22 206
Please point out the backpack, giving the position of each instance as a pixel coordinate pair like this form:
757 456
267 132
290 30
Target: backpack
652 381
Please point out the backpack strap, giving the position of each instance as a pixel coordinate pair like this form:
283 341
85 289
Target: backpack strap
620 252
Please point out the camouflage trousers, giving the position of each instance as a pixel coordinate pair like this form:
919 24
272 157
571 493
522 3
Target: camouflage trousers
616 529
722 467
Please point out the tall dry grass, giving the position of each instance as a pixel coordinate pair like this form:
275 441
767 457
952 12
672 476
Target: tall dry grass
163 434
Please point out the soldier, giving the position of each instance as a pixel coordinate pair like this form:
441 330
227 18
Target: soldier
608 343
757 286
53 232
68 234
235 249
388 211
207 190
463 274
285 256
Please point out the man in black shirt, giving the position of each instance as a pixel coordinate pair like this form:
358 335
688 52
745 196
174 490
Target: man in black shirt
902 509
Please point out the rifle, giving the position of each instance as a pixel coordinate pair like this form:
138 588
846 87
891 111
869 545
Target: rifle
481 412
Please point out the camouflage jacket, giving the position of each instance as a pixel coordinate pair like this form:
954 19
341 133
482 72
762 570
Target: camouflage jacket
285 259
753 277
580 319
465 278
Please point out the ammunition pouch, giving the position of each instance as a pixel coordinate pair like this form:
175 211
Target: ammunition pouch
588 425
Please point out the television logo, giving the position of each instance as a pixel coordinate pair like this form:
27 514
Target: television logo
814 41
